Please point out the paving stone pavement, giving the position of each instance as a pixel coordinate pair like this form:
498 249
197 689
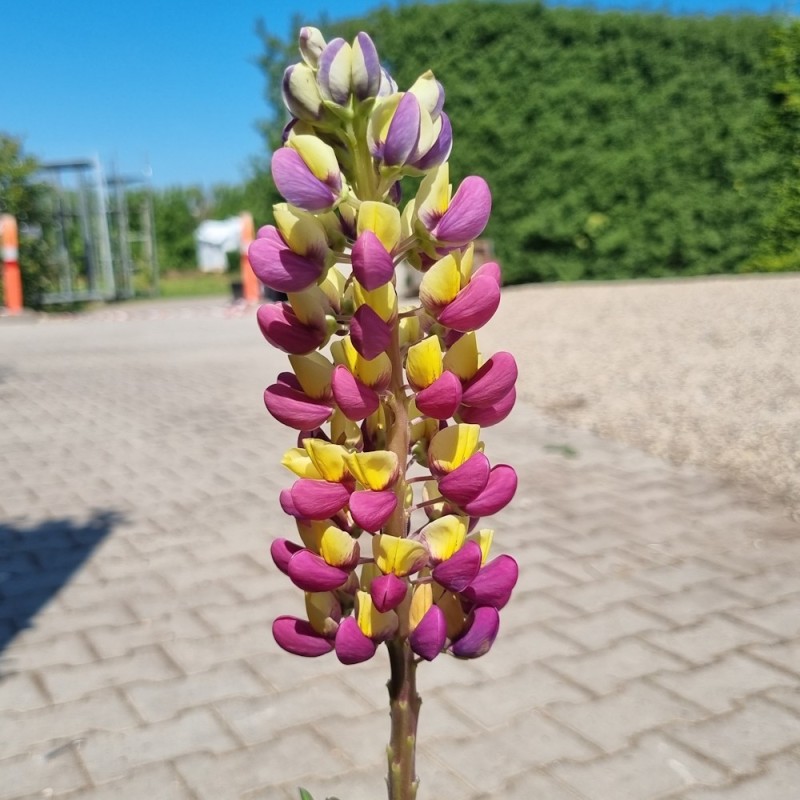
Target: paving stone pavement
652 649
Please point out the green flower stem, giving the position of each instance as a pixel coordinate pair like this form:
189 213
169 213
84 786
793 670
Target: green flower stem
404 703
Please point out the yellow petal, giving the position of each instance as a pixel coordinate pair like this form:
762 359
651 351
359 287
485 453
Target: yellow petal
452 446
369 572
383 220
383 300
484 539
421 601
303 232
314 372
426 90
310 306
374 470
400 556
381 118
462 358
372 622
332 286
410 330
376 426
344 431
338 547
445 536
311 533
465 262
344 353
453 612
424 362
298 461
440 284
319 157
433 196
371 372
328 458
323 611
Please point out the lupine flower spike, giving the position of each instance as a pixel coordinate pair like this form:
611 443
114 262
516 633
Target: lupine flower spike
391 479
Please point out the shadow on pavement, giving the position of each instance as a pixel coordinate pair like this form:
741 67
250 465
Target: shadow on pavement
37 561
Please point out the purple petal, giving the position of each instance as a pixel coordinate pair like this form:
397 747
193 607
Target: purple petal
491 415
352 647
279 267
366 76
370 510
315 499
298 184
287 504
441 399
440 149
460 569
356 400
490 268
466 482
428 638
282 329
298 637
387 591
372 264
467 214
333 86
492 381
281 551
499 490
474 305
312 573
479 635
293 408
403 133
370 335
494 583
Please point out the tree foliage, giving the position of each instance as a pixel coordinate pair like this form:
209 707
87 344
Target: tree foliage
616 145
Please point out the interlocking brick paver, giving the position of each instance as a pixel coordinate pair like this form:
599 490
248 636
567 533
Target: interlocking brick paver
595 595
691 604
45 774
604 628
778 782
19 691
781 618
534 785
160 782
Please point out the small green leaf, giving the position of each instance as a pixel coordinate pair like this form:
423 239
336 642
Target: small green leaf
304 795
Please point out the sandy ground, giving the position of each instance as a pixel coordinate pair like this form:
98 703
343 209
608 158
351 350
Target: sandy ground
703 371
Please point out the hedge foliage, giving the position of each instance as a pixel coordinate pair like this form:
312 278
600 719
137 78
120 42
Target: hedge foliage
617 145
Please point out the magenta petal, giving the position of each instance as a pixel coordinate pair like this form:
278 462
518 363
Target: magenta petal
352 647
474 305
440 149
293 408
370 335
492 269
499 490
428 638
372 264
287 504
282 329
467 214
298 637
370 510
479 635
281 551
319 499
492 381
403 133
466 482
494 583
491 415
441 399
387 591
276 265
298 184
356 400
460 569
312 573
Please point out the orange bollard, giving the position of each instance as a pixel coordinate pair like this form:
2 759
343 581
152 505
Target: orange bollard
12 281
250 285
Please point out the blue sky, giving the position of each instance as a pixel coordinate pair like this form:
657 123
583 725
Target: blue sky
172 84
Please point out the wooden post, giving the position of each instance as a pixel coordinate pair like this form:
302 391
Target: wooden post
250 285
12 281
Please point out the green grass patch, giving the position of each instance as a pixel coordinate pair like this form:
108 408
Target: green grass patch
194 284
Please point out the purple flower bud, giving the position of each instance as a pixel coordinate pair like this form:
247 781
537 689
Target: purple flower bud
387 592
296 636
295 409
439 151
460 569
372 264
298 184
276 265
300 93
467 214
283 330
428 638
370 335
287 504
366 68
403 133
352 647
334 74
494 583
474 305
441 399
466 482
479 635
489 268
490 415
315 499
500 488
281 551
312 573
492 381
371 510
388 84
312 44
356 400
